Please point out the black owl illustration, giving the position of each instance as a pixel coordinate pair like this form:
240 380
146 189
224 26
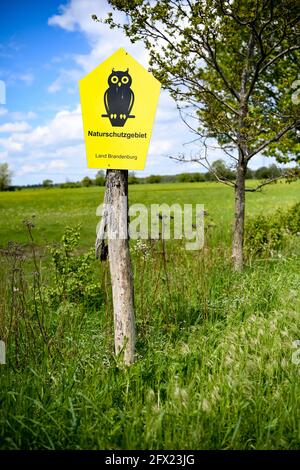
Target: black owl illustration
119 98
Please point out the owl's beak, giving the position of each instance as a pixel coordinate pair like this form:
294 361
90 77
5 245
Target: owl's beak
119 83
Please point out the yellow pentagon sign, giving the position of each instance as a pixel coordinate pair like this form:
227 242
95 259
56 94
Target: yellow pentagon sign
118 102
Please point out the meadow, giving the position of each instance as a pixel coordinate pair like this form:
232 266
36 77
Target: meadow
217 363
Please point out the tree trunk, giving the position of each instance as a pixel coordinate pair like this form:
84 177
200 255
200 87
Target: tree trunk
119 263
239 218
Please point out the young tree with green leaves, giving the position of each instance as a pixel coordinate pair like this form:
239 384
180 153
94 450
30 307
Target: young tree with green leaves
230 65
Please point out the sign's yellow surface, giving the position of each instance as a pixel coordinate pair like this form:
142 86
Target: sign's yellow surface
118 102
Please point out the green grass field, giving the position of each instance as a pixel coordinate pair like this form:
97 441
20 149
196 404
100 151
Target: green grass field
214 367
54 209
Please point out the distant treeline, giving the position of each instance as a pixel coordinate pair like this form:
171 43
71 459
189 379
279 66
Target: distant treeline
218 167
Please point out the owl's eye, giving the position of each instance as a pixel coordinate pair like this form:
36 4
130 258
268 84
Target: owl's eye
125 80
114 79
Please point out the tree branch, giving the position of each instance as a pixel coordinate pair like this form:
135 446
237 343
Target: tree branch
220 72
273 139
269 181
205 165
289 49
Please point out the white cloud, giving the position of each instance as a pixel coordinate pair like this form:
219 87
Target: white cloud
22 116
9 145
11 78
76 16
46 151
65 127
161 146
18 115
31 168
60 141
169 132
3 156
41 167
58 165
27 78
71 153
9 127
64 78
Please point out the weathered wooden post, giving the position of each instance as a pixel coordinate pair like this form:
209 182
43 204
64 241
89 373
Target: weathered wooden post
118 94
116 229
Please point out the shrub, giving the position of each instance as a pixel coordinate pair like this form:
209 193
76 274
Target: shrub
154 179
70 184
87 182
266 234
74 274
292 219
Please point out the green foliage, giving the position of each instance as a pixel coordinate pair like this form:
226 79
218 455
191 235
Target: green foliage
57 208
74 280
222 170
214 363
70 184
152 179
184 178
132 178
250 174
291 219
266 234
269 172
194 177
234 62
198 177
190 177
87 181
5 176
47 183
100 178
232 68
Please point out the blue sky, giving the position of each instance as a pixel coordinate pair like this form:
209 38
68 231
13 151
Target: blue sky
45 48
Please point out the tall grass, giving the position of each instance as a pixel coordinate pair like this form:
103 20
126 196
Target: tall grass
214 365
214 368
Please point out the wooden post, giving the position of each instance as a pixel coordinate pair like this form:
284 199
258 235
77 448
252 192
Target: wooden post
115 223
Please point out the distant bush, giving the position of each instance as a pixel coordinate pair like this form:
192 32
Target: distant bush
11 188
198 177
5 176
190 177
267 233
132 178
184 177
250 174
100 178
153 179
222 170
70 184
87 182
269 172
47 183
